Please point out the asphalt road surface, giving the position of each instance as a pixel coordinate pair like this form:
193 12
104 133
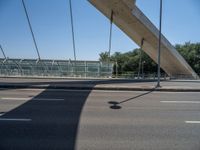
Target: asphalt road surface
36 119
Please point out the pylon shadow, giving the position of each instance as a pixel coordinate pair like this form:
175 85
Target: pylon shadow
116 105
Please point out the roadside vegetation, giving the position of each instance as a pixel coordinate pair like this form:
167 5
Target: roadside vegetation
130 62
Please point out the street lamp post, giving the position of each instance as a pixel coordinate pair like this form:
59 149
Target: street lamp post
143 69
159 43
116 69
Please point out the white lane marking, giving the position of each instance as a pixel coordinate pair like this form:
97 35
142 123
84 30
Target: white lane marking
85 90
14 119
37 99
14 98
48 99
193 122
1 114
184 102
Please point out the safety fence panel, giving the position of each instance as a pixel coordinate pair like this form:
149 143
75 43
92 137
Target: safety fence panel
57 68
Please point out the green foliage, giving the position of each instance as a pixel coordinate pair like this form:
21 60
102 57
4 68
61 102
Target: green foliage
191 53
129 61
104 57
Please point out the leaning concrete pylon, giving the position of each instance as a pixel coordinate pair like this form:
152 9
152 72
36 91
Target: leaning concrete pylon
129 18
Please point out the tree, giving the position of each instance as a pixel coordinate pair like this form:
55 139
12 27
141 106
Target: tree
104 57
129 61
191 53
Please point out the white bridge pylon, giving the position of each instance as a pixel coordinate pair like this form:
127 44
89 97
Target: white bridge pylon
130 19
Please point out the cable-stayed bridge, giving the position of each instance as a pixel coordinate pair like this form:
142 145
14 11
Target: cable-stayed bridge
131 20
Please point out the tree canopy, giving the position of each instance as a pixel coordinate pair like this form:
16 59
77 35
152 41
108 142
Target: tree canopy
191 53
131 62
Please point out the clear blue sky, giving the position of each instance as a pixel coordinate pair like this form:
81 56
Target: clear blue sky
51 24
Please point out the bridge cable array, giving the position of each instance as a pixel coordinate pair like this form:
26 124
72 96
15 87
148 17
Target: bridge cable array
72 29
31 29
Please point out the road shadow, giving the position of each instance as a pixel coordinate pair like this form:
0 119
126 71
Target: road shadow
116 105
12 82
52 125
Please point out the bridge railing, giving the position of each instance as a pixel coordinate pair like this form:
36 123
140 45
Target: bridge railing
133 75
57 68
164 76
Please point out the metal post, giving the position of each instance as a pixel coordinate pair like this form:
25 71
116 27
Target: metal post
4 61
140 60
31 29
72 28
100 65
159 44
116 69
143 69
85 69
110 36
73 38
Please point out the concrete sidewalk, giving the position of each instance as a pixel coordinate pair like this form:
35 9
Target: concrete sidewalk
101 84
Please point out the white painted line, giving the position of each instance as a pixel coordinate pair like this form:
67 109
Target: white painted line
48 99
183 102
193 122
14 98
85 90
14 119
1 114
37 99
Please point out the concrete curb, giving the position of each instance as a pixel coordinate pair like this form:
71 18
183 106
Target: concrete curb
162 89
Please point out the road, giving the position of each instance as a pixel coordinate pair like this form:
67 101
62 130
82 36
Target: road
98 120
105 84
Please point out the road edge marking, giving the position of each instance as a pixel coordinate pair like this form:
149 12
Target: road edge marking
182 102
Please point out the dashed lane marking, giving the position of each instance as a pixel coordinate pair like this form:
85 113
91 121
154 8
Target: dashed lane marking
37 99
183 102
193 122
14 119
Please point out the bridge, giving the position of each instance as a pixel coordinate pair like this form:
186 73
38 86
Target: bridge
99 114
131 20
